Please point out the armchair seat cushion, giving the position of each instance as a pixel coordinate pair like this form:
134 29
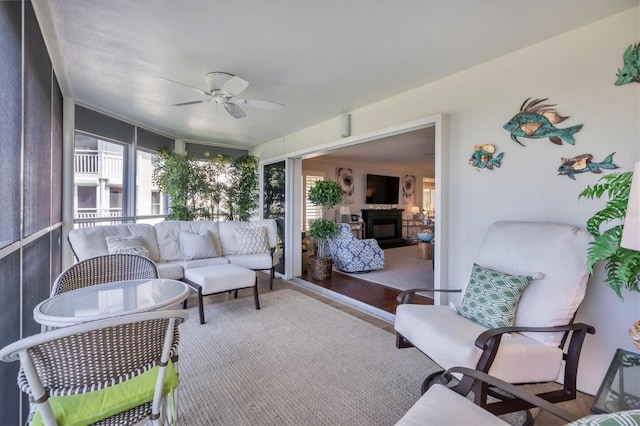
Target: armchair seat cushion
353 255
451 342
441 406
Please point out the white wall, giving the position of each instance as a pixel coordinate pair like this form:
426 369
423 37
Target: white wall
576 71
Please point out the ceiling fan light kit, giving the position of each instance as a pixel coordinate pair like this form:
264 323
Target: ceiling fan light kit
222 88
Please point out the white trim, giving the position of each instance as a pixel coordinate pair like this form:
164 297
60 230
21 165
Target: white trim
440 122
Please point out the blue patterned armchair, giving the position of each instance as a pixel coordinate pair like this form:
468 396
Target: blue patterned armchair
353 255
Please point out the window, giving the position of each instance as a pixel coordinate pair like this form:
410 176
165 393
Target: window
309 211
156 202
98 167
149 198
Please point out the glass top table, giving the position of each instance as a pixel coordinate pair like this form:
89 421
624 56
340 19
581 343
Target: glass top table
108 300
620 389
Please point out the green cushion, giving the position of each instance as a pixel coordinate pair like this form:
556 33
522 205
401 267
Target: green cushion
91 407
622 418
491 298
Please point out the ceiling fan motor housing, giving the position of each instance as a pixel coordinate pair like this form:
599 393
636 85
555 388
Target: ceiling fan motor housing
216 80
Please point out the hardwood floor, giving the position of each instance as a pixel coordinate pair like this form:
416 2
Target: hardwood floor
376 295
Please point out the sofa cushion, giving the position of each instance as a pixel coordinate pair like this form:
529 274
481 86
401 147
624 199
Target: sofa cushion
199 263
491 298
451 342
197 246
257 262
252 240
91 241
168 234
170 270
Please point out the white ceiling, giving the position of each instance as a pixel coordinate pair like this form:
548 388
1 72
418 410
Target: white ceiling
411 151
319 58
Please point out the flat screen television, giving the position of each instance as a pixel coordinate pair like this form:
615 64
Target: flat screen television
382 189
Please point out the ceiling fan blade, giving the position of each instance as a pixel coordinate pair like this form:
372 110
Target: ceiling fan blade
202 92
260 104
235 85
234 110
193 102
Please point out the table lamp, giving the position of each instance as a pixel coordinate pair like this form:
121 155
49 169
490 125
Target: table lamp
345 212
415 210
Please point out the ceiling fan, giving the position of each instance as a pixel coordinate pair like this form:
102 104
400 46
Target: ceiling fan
222 88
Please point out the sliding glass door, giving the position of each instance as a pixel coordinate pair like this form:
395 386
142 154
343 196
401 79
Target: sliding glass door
274 196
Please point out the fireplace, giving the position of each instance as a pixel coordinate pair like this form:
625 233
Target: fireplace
385 226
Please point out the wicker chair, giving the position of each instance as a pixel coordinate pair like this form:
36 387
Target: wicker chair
94 356
104 269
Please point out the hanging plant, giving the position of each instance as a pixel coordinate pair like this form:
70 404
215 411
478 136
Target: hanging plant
622 265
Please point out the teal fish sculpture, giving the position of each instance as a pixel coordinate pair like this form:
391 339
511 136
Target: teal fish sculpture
536 121
582 164
483 158
630 71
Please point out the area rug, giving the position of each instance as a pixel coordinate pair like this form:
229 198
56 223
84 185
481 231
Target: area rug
402 270
297 361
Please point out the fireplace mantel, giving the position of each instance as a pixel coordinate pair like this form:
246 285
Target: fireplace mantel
385 225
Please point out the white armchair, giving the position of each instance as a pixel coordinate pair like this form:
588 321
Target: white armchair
516 314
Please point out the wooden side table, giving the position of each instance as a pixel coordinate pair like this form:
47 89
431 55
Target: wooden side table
425 251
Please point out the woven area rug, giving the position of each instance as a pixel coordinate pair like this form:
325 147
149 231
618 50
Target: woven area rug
402 270
297 361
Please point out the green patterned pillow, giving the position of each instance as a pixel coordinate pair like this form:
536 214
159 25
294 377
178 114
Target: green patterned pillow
621 418
491 298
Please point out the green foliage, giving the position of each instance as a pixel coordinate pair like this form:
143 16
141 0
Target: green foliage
217 187
326 194
321 230
623 265
274 190
242 194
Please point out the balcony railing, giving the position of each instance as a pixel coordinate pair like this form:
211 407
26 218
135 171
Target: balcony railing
94 162
84 214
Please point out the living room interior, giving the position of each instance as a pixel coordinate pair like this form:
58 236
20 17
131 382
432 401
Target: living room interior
115 60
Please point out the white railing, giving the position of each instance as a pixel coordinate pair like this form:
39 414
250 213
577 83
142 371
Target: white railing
105 163
96 213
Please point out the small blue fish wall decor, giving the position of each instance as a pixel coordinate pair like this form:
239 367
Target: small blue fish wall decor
536 121
482 157
582 163
630 70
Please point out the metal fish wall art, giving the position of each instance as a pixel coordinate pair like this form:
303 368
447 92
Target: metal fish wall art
536 120
630 71
482 157
582 164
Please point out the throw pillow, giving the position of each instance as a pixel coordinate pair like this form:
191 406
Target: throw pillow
491 298
126 245
197 246
252 240
619 418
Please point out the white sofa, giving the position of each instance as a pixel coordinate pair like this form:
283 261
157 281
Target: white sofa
174 245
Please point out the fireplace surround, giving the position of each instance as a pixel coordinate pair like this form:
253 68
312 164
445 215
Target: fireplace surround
385 226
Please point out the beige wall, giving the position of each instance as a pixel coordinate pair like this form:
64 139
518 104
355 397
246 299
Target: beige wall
576 71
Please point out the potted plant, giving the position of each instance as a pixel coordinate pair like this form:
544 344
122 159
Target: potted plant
325 194
622 264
